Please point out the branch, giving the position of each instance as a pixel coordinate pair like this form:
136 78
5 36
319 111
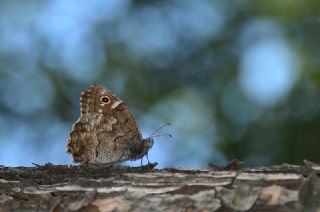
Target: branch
100 188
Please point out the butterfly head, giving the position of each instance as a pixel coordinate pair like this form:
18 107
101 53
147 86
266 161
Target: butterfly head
146 145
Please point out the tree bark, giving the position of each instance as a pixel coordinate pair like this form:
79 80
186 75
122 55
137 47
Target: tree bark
100 188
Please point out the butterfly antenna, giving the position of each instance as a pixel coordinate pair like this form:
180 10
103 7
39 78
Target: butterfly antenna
157 130
166 134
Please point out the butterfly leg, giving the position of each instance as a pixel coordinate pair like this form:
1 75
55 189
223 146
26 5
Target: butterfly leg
147 158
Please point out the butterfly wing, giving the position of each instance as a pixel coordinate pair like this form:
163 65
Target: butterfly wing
106 131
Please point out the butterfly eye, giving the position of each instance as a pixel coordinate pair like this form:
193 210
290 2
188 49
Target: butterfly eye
105 99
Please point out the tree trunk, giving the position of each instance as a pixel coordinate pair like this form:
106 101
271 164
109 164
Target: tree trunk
100 188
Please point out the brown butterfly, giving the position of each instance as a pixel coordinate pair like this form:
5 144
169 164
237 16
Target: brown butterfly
106 132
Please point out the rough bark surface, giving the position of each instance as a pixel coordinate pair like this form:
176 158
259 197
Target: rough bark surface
98 188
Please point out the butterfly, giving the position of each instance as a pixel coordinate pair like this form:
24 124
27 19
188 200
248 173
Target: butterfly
106 132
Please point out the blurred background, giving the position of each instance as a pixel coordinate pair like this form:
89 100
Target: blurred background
236 79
